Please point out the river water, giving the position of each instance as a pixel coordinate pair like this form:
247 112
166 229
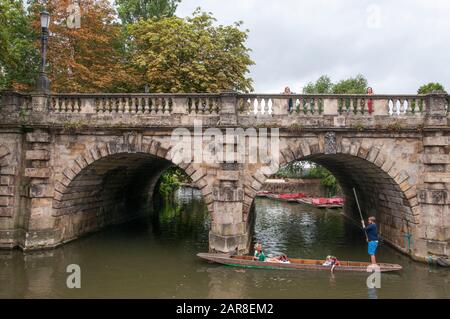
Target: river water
155 258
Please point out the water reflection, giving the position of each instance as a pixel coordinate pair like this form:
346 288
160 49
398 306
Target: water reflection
155 258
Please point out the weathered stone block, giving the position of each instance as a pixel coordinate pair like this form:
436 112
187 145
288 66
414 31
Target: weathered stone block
6 211
373 153
40 155
7 180
3 151
41 190
6 191
8 170
437 248
228 175
226 244
5 201
198 175
436 158
228 193
38 137
437 178
38 172
400 178
436 141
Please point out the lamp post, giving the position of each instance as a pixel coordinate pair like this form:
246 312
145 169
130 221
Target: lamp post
43 83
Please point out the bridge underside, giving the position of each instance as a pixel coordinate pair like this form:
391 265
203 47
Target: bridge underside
378 193
112 190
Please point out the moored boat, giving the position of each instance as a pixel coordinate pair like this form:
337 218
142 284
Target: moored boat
307 264
443 262
331 203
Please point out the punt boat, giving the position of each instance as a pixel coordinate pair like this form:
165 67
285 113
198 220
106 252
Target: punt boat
307 264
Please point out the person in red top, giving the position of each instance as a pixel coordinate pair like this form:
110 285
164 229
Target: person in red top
370 102
332 261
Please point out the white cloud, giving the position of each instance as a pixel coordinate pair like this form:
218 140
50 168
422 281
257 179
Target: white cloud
294 41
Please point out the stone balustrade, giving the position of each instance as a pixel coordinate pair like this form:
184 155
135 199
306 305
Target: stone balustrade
280 110
152 104
324 104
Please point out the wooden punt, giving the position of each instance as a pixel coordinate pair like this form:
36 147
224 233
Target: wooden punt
308 202
307 264
443 262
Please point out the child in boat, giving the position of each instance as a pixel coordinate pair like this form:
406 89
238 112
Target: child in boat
284 259
280 259
331 261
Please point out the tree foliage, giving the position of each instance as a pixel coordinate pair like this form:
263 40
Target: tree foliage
326 178
431 88
90 58
131 11
171 180
295 169
324 85
191 55
19 60
307 170
356 85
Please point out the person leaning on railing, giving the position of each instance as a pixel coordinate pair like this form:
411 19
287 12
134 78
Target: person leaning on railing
370 102
287 90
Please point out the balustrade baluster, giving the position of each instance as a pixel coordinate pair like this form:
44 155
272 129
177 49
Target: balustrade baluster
362 103
398 107
320 106
405 106
270 107
312 105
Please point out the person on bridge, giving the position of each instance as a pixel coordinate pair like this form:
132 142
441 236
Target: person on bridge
372 238
287 90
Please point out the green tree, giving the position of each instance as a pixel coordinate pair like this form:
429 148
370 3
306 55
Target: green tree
326 178
431 88
171 180
19 59
131 11
323 85
191 55
90 58
356 85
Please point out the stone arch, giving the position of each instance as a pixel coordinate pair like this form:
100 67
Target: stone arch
117 163
387 186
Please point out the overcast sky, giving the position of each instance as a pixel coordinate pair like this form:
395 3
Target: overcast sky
397 44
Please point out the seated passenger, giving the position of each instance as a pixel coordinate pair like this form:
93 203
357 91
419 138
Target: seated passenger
284 259
331 261
259 254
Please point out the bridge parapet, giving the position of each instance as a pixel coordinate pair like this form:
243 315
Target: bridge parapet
336 104
234 109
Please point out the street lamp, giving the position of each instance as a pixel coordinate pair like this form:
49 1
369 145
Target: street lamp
43 83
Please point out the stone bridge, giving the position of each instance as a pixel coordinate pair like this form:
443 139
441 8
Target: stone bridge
72 164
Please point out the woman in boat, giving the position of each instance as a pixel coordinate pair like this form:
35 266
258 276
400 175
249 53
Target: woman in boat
259 254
